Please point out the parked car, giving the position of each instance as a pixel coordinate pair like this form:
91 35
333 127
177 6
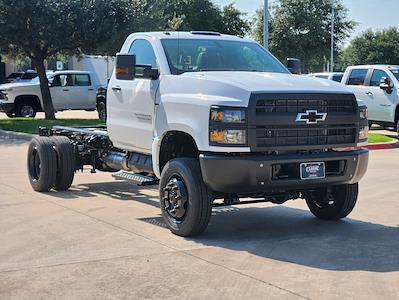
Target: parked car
378 86
13 77
70 90
28 76
214 117
335 76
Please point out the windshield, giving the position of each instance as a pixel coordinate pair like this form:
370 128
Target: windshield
190 55
395 72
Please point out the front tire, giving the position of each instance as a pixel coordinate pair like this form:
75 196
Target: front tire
42 164
333 203
186 202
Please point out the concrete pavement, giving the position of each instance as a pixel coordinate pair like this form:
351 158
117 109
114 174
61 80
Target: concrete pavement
106 239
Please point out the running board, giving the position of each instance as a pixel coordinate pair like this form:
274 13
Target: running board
136 178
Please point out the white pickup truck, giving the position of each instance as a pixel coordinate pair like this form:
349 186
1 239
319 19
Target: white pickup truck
70 90
378 86
219 121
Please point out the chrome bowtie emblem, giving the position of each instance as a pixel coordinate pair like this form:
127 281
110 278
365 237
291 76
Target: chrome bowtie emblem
311 117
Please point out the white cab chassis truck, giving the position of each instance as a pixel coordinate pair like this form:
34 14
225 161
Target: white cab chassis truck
214 120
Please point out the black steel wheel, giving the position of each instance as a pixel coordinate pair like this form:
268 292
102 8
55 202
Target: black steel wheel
333 203
65 162
186 202
42 164
102 111
25 110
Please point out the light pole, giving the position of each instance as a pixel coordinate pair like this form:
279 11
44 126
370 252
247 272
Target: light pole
266 25
332 35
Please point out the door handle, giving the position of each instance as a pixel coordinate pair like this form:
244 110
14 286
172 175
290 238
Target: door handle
116 88
369 94
90 89
65 90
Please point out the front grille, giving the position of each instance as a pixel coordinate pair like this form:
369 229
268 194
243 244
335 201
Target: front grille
277 136
273 125
299 106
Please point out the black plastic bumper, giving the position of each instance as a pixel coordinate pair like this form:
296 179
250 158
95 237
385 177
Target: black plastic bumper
256 173
7 107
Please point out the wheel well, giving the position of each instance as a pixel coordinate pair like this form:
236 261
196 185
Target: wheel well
176 144
397 114
29 98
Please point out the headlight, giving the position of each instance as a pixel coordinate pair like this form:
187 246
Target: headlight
228 136
364 112
363 133
227 115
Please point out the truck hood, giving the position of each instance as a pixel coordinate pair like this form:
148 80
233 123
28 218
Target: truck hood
270 82
235 88
13 85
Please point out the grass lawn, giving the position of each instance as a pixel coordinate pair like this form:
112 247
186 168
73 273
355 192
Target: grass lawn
379 138
32 125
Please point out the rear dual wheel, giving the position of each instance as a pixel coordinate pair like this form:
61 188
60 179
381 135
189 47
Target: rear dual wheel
51 163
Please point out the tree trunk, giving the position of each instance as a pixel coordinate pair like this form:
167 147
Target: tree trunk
45 89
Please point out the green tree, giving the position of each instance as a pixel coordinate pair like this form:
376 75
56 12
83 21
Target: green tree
379 47
302 29
41 29
187 15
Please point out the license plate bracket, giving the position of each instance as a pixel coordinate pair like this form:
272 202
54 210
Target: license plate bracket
313 170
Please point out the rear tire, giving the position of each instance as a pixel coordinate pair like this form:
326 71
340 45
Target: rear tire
42 164
66 162
333 204
186 202
25 110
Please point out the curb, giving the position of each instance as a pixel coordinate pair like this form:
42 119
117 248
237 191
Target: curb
8 135
384 146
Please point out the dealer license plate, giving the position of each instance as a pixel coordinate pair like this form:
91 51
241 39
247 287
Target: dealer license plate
313 170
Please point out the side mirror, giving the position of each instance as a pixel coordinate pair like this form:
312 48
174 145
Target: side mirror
125 66
386 85
294 65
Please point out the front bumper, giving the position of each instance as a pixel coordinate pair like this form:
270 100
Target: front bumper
246 175
6 107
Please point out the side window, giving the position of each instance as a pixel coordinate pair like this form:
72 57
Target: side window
357 77
60 80
144 53
82 80
337 78
376 78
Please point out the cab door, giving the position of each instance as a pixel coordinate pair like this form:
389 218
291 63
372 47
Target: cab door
384 103
82 92
131 103
59 92
357 82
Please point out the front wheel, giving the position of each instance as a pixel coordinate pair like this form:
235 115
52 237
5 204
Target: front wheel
397 127
333 203
186 202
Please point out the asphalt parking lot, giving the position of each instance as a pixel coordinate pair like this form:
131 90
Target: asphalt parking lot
105 239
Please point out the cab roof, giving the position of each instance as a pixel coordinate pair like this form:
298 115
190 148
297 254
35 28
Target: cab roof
190 35
375 66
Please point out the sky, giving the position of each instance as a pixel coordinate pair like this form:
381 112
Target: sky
375 14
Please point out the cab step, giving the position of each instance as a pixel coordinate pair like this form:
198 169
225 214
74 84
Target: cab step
136 178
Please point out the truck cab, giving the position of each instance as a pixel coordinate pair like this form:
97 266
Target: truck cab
378 86
218 120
